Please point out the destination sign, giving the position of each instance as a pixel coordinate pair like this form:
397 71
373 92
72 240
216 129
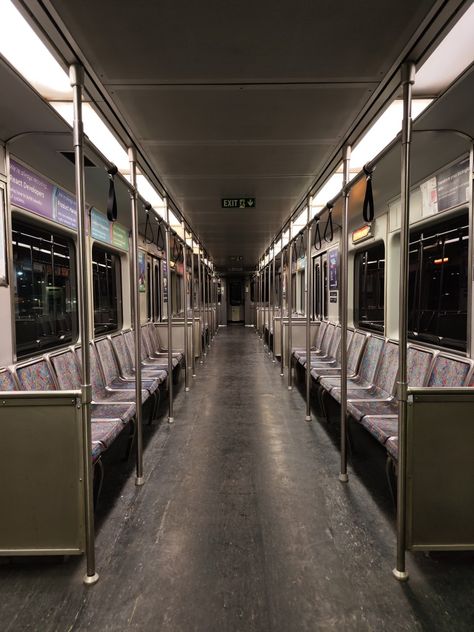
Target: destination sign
243 202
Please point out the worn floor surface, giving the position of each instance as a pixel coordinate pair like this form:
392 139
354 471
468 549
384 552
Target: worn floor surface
242 526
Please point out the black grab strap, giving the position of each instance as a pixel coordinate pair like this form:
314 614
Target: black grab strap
160 240
329 229
149 229
111 197
368 208
317 237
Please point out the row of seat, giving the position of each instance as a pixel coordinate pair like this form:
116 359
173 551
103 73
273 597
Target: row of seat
372 377
112 380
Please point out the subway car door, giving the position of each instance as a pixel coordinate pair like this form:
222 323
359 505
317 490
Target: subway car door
235 308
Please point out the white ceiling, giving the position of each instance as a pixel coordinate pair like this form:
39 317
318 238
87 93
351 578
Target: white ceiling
240 98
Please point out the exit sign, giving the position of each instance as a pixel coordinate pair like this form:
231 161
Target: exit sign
239 202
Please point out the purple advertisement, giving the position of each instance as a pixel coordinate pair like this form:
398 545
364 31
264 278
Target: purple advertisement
30 191
34 193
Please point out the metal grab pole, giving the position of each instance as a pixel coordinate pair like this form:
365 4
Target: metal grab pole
343 476
307 289
76 76
269 268
170 319
132 156
407 79
260 301
289 294
273 303
282 257
185 281
193 351
200 308
264 311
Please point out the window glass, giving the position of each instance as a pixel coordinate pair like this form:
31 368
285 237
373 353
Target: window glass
149 290
252 290
45 289
156 290
437 304
301 302
107 287
369 287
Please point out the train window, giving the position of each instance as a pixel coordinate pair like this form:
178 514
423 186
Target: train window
45 289
156 291
176 292
107 287
438 283
301 301
149 290
369 287
252 290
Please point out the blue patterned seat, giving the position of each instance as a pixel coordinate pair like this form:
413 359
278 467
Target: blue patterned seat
317 343
146 362
106 431
368 366
332 355
355 344
36 375
148 353
381 428
153 342
125 361
111 370
7 381
448 371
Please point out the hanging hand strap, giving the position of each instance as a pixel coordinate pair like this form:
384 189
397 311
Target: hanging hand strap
111 197
148 229
160 240
317 237
329 229
368 208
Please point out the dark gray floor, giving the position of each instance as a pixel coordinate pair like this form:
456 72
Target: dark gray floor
242 525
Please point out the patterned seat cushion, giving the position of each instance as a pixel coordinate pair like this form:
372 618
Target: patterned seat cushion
372 392
106 431
67 370
154 343
382 428
358 409
367 368
107 412
392 447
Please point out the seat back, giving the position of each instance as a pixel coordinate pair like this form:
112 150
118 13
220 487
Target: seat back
7 380
319 336
335 342
36 375
327 337
147 347
387 369
355 351
66 369
370 358
449 371
121 351
154 339
97 381
418 365
107 359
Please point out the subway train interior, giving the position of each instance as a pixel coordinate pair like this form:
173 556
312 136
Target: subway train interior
236 296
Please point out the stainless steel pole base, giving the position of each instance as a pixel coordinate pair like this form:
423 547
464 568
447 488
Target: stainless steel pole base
308 418
344 478
171 420
139 481
187 389
282 374
194 374
90 580
290 388
401 576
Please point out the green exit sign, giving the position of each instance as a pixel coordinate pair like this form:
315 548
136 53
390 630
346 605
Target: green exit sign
239 202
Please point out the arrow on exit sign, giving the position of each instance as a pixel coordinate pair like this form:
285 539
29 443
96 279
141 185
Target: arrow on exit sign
239 202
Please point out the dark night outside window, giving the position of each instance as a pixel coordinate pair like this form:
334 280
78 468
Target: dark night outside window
438 295
45 289
369 288
107 284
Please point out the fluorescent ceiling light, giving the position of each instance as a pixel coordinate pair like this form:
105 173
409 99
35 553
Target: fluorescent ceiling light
301 220
173 220
97 131
25 51
329 190
453 55
382 132
286 237
149 194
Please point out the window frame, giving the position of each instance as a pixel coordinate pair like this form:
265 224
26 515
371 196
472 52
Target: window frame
119 285
26 222
369 326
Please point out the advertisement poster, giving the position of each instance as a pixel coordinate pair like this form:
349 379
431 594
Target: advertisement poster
453 186
141 271
333 265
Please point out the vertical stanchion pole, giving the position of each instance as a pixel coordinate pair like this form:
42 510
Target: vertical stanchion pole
185 280
407 79
273 302
170 318
202 352
289 294
307 288
282 260
136 316
260 300
264 311
343 476
193 351
269 270
76 76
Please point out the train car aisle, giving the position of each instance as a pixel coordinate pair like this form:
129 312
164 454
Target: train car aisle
242 525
